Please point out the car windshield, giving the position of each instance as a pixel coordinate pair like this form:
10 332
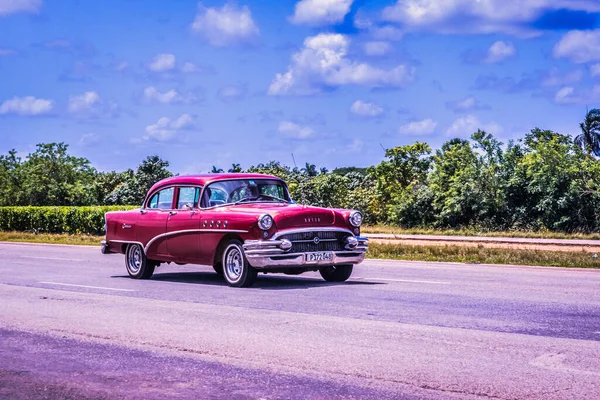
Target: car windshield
244 190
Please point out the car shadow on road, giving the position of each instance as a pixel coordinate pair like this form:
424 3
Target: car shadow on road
263 282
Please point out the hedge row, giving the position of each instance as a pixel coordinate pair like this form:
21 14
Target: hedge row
71 220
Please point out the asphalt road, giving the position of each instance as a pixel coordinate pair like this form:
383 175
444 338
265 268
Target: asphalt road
74 326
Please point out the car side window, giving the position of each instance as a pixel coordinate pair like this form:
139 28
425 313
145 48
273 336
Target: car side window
162 200
153 203
188 197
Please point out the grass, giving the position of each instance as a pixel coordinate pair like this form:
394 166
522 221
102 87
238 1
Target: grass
480 254
483 255
473 232
51 238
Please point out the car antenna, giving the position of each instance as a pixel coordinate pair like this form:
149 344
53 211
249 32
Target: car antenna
294 159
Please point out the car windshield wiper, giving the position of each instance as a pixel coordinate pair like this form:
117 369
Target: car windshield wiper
279 199
245 199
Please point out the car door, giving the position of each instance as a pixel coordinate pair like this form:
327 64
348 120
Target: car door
183 224
152 222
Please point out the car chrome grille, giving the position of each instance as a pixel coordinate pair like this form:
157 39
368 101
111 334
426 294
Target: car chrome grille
305 241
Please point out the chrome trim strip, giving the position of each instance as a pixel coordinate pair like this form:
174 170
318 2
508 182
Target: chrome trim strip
125 241
312 241
267 261
190 231
174 186
306 230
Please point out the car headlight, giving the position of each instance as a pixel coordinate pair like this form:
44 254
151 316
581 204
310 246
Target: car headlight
265 222
356 219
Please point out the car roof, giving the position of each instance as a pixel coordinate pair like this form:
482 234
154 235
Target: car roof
203 179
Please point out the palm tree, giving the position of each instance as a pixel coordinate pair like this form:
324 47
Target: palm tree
235 168
216 170
589 139
310 170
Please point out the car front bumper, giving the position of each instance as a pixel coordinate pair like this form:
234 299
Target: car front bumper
268 254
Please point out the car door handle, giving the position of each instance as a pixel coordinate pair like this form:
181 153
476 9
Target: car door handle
172 212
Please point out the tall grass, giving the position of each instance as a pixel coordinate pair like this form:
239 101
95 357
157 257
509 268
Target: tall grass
483 255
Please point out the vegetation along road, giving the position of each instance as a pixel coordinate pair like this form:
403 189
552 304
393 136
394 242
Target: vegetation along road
74 326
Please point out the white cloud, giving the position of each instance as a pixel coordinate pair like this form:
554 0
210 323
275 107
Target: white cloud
366 110
356 146
28 105
226 26
189 67
121 66
84 102
555 78
89 139
595 70
294 131
500 51
162 62
153 95
466 104
322 63
386 32
4 51
232 92
579 46
377 48
320 12
90 105
565 95
166 129
467 125
478 16
424 127
8 7
569 95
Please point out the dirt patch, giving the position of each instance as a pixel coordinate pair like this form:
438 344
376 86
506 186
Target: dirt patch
493 245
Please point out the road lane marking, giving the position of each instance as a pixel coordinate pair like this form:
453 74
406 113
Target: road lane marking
87 287
52 258
407 281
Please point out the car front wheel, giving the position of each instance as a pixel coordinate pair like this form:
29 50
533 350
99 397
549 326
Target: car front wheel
338 273
137 264
236 269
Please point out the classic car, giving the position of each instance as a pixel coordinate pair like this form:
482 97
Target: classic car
241 224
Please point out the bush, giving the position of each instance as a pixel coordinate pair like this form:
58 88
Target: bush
70 220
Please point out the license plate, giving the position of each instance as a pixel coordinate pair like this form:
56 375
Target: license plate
320 256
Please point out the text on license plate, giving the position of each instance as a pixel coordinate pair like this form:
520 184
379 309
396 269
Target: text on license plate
320 256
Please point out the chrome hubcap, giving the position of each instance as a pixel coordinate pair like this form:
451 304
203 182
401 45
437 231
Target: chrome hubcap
134 259
234 263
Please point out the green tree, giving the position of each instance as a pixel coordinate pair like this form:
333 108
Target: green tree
555 182
10 179
53 177
454 184
134 189
325 190
589 138
397 181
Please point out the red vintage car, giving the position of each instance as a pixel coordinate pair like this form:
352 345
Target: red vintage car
241 224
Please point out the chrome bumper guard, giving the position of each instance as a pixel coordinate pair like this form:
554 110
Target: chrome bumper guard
104 247
266 254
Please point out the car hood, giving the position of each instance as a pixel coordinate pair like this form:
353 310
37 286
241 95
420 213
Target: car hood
289 216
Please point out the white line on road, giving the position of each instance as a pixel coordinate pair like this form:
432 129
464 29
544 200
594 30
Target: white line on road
52 258
87 287
407 281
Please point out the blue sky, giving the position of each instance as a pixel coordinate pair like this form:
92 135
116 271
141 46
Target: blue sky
331 81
